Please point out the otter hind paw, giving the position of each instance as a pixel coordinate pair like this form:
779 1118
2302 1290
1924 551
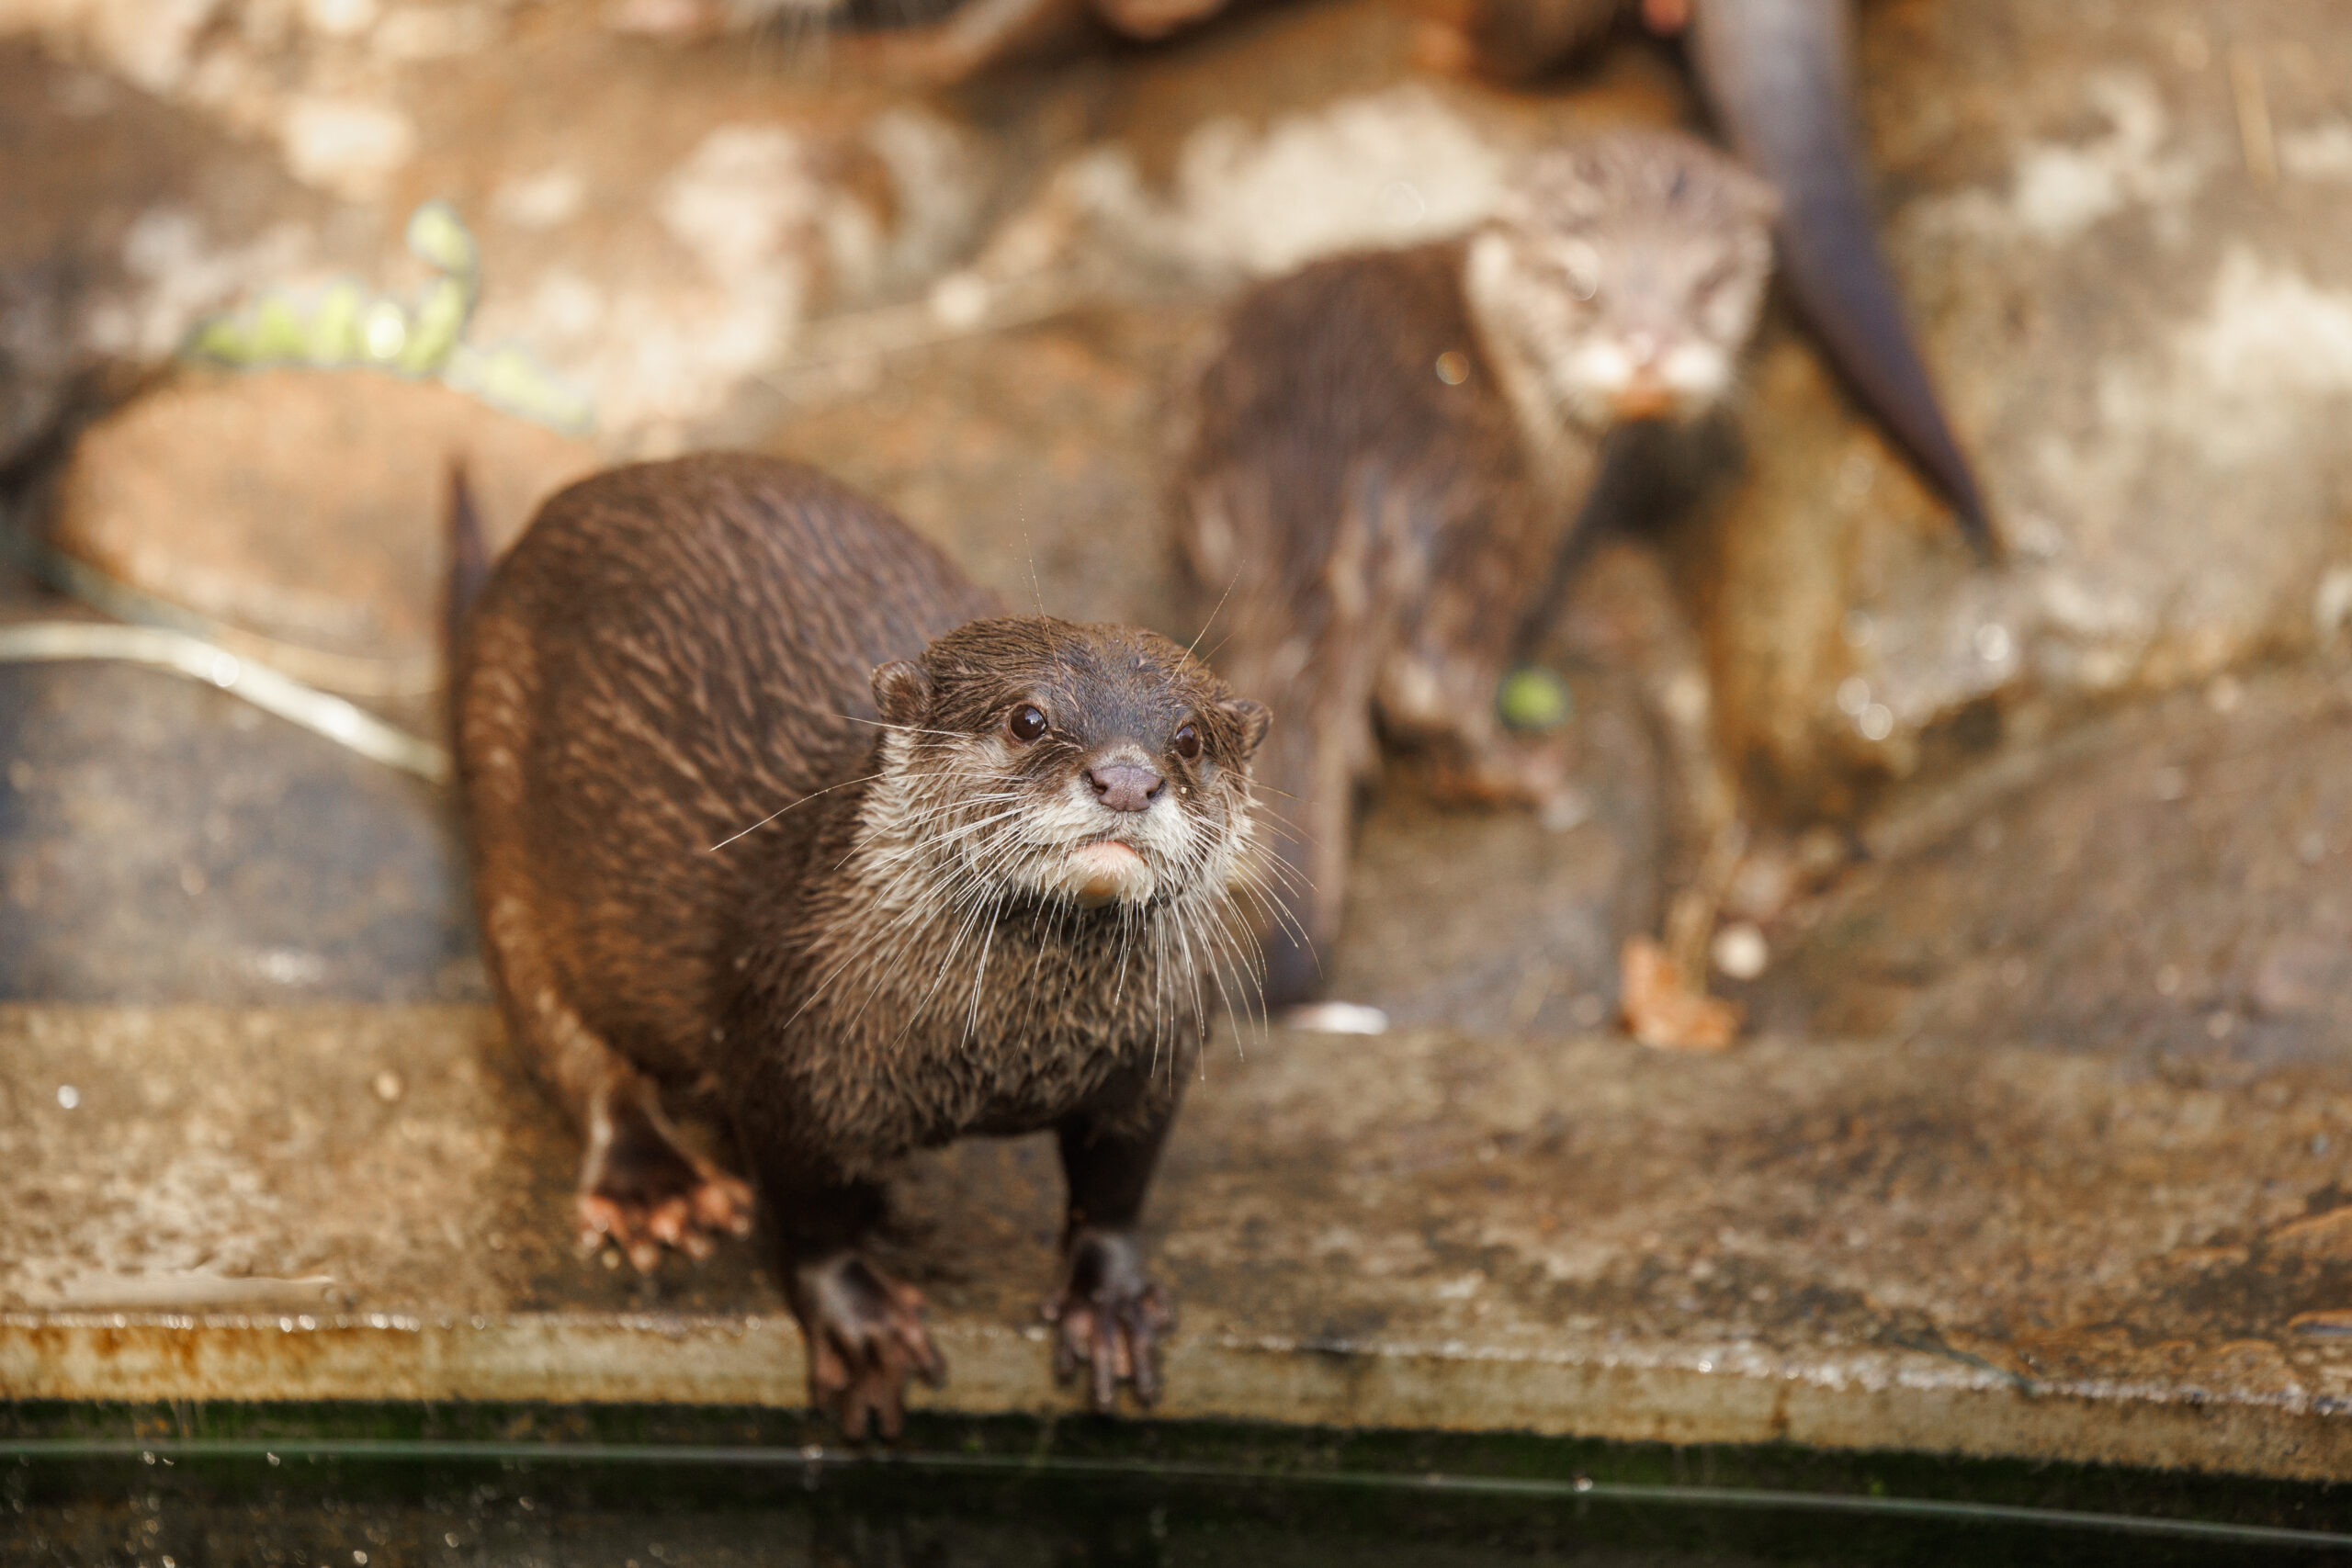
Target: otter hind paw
642 1192
865 1338
1111 1319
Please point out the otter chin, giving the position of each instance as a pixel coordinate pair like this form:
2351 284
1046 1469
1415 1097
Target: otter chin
1107 873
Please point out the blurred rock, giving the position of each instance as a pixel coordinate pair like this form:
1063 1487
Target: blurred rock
127 221
161 840
309 507
2169 881
2125 234
1033 456
660 248
1293 133
665 252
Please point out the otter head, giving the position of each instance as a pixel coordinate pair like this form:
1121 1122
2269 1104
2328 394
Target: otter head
1098 764
1622 274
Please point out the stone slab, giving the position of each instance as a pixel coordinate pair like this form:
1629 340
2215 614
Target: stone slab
1968 1250
307 507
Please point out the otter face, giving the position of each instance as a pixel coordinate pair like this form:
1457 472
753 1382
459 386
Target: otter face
1626 270
1097 764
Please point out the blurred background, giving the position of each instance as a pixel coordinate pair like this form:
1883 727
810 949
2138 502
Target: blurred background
2122 232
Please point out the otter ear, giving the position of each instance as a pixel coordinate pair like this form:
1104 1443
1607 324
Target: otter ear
1253 717
900 691
1760 199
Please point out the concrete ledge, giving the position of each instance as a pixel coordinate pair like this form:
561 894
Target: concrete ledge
1998 1254
717 1360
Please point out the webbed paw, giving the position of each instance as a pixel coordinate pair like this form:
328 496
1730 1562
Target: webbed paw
865 1338
642 1192
1111 1318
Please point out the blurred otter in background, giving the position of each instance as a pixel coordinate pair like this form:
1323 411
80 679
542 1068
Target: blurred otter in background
1778 75
1389 449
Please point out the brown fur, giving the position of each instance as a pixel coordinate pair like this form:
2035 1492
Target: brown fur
675 652
1383 530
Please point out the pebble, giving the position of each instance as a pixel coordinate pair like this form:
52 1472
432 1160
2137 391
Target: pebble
1740 951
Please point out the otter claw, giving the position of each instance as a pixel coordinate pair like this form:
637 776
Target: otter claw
865 1338
645 1193
1111 1320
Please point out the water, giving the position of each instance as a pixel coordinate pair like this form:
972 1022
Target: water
569 1488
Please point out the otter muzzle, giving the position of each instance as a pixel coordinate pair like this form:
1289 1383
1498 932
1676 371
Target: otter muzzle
1101 873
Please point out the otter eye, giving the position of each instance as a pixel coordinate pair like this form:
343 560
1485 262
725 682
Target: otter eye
1188 741
1026 723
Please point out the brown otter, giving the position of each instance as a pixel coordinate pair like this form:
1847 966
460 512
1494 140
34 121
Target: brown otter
1777 77
1388 450
771 806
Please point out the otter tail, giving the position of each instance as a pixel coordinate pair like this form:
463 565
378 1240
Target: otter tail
469 558
1306 783
1780 78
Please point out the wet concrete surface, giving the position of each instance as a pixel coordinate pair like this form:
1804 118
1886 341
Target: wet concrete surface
1954 1248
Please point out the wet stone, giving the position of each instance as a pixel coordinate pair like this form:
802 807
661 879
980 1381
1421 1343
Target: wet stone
2122 233
2169 881
309 508
162 840
1970 1248
128 219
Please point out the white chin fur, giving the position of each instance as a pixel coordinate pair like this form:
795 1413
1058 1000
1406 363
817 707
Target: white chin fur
1096 874
1698 375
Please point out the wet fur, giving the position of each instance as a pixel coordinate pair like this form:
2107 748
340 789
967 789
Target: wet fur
676 652
940 983
1777 77
1377 532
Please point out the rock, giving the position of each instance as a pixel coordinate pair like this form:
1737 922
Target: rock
161 840
308 507
1294 134
1034 456
128 220
2124 236
664 251
2167 882
667 253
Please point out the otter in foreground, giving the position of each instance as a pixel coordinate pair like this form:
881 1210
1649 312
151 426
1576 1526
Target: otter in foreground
1390 450
769 807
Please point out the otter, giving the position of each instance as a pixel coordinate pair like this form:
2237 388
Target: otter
1777 77
1388 450
772 809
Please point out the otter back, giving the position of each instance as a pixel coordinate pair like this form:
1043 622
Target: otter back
673 652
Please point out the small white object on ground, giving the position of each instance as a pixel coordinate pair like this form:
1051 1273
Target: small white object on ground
1337 1018
1739 950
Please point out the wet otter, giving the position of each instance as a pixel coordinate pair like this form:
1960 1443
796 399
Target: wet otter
1389 449
772 807
1777 77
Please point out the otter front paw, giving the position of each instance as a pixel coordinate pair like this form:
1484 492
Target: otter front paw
641 1192
1111 1318
866 1337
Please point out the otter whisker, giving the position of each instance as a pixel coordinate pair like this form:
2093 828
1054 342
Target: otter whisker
772 815
1190 647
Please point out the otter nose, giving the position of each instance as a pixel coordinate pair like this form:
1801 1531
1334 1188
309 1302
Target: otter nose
1125 786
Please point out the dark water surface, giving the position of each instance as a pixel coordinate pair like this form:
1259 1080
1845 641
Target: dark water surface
373 1487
